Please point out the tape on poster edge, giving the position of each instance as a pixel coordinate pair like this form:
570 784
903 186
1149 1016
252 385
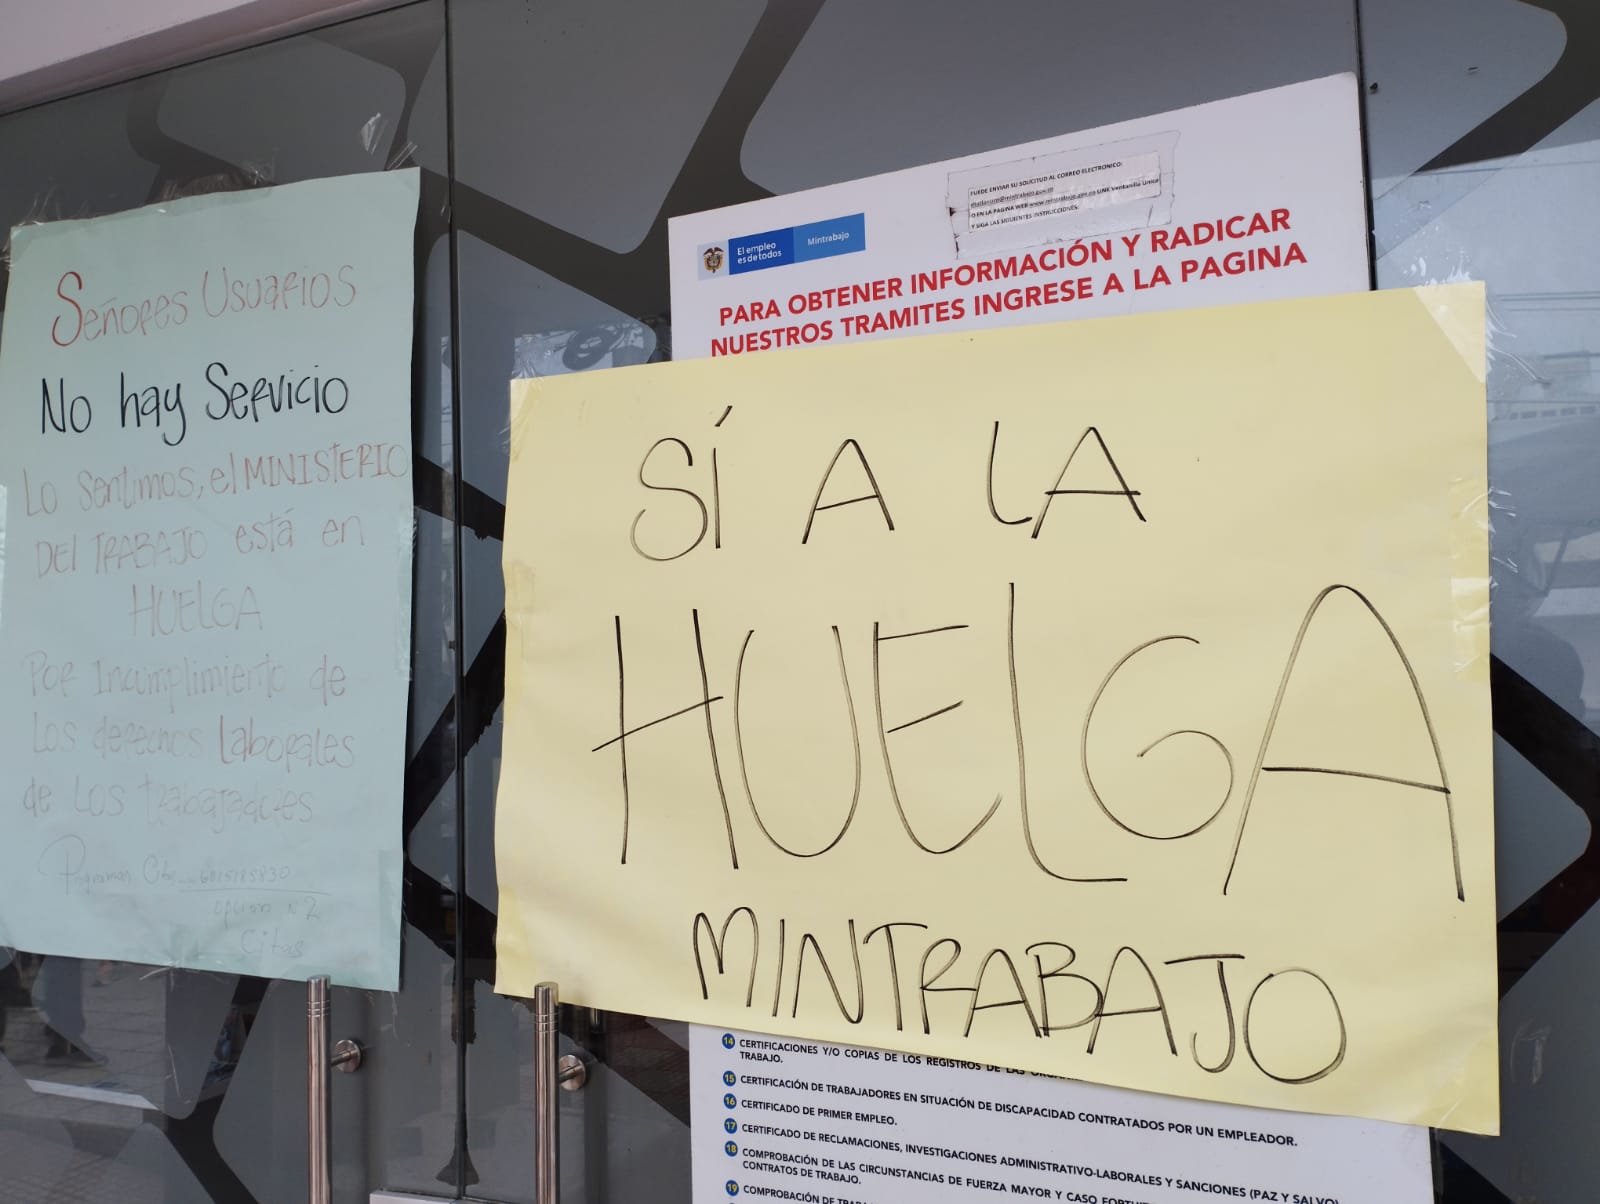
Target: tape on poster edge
1464 327
1460 313
1469 578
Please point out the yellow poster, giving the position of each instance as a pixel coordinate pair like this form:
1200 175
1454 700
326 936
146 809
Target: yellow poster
1107 699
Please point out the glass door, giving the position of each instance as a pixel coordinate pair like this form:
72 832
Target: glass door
127 1083
580 128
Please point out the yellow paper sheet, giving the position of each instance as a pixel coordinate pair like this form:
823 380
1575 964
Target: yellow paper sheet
1103 699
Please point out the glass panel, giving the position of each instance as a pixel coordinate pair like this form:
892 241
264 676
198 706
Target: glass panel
123 1083
561 207
1484 134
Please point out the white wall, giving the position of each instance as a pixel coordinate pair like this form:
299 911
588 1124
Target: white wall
49 48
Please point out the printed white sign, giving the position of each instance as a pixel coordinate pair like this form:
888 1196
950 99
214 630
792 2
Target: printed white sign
783 1119
1249 199
1254 198
205 470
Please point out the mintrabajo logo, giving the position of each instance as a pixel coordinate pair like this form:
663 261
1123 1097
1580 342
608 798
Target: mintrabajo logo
776 248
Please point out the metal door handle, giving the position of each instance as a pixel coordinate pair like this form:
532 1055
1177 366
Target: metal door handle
546 1180
320 1060
549 1072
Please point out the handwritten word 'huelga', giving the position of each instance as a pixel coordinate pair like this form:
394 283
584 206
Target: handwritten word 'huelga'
700 700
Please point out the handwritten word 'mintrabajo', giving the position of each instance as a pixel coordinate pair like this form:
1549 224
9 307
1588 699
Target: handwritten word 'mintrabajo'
1041 988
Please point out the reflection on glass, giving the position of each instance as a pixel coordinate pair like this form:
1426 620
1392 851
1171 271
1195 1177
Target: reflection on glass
117 1032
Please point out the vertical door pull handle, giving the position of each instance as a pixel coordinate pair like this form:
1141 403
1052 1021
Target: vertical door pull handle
320 1061
546 1181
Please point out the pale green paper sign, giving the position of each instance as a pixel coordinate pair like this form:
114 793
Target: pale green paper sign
205 613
